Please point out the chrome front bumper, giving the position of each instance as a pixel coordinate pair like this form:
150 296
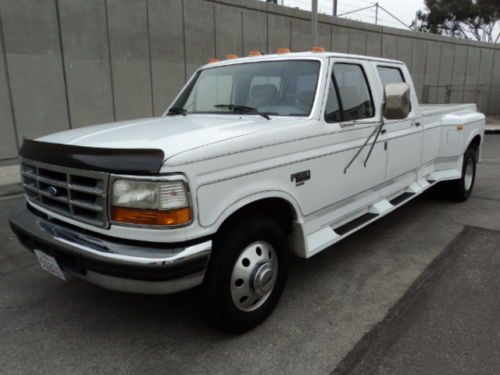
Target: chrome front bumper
123 265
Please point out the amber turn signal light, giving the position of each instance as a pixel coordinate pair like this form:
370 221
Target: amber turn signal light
150 217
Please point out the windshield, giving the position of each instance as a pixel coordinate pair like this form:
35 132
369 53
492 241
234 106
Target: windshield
283 88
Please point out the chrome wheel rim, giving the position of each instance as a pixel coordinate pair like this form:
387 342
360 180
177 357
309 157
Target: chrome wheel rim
254 276
469 174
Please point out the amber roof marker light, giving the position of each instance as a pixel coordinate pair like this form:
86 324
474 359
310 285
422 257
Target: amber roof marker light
318 49
231 56
213 60
282 51
254 53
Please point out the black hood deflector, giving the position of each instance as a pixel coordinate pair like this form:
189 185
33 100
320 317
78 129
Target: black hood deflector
113 160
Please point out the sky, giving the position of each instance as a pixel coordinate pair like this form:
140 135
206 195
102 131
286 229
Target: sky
403 9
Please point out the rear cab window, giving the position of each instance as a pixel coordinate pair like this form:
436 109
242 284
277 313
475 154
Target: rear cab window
349 94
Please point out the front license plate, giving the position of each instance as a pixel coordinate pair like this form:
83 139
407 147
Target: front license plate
49 264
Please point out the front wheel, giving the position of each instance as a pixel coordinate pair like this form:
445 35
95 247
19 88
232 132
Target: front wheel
460 190
246 274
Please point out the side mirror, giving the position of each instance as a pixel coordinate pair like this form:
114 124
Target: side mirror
397 101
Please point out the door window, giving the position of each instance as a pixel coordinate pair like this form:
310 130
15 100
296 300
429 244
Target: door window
333 112
355 96
349 96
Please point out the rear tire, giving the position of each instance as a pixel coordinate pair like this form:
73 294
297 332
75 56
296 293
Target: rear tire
246 274
461 189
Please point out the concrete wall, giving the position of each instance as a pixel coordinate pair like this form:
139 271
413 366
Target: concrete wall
71 63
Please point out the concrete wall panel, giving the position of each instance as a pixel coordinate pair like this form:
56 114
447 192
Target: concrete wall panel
417 67
254 31
357 42
228 31
459 71
129 43
324 36
8 144
34 62
494 102
485 78
87 63
340 39
373 44
472 93
301 35
445 72
199 28
404 50
389 46
432 64
278 32
168 68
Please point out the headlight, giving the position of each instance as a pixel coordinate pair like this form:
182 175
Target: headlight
150 202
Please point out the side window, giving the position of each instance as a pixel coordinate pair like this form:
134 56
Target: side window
390 75
355 97
332 110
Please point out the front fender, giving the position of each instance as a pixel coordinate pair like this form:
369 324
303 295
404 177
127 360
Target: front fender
213 212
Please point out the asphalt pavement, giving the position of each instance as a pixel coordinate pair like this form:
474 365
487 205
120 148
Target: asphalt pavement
450 325
330 306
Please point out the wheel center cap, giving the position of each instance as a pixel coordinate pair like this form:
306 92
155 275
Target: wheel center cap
262 280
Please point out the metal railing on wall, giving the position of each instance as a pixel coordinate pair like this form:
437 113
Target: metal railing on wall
482 94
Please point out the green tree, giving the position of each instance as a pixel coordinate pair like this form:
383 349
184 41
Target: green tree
467 19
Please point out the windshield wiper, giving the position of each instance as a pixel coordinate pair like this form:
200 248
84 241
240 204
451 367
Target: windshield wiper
177 111
243 109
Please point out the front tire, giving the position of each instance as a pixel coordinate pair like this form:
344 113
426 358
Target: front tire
461 189
246 274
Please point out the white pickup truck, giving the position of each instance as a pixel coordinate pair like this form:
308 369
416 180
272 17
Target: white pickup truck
257 159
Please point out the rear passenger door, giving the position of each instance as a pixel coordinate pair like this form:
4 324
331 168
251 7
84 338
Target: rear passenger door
404 137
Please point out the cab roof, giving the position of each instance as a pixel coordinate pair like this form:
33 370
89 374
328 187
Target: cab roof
298 55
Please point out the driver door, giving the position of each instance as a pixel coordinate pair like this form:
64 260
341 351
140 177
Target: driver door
352 114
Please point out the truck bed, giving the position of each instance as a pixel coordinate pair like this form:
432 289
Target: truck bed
442 109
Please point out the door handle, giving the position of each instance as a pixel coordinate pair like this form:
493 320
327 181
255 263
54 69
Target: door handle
417 123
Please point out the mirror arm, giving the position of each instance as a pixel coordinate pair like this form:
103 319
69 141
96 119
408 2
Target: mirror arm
379 130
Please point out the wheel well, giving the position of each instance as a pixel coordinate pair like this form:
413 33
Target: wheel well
476 141
277 208
474 145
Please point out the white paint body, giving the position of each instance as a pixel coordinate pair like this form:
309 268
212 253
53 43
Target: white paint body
232 160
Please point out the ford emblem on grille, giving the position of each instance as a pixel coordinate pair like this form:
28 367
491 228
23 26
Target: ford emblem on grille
52 190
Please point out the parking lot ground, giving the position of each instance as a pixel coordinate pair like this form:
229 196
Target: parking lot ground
331 301
451 325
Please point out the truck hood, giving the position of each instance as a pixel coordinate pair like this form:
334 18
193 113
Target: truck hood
172 134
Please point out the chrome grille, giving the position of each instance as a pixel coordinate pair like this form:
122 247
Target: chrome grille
74 193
